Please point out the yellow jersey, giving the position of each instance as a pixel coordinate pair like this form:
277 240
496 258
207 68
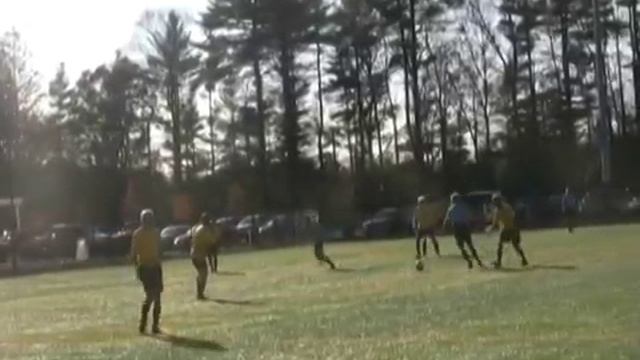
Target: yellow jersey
428 215
202 240
504 217
145 246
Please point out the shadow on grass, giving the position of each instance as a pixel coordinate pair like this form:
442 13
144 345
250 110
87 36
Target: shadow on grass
536 268
344 270
237 302
187 342
230 273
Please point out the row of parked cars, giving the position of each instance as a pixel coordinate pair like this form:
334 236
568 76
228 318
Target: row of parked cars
60 240
539 211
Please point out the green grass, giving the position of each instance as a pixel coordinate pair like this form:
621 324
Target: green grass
580 300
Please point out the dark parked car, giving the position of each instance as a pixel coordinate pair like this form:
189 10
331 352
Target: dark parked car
59 241
248 227
279 228
5 245
388 222
116 243
607 202
169 234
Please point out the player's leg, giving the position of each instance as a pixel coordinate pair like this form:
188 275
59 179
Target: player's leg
474 252
458 233
503 238
419 247
215 259
201 273
157 304
434 241
327 260
148 299
571 221
515 241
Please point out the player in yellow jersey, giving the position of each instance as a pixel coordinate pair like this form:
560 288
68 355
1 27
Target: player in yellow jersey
504 217
203 239
145 254
426 218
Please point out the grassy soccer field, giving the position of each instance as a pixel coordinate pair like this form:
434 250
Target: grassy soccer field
579 300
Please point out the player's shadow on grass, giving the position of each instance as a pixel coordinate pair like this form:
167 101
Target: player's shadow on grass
237 302
536 268
344 270
187 342
230 273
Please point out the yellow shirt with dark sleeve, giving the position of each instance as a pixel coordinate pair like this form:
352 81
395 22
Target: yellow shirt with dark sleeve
504 217
428 215
202 240
145 247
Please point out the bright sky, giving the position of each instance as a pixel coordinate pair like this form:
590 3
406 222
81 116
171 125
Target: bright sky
81 33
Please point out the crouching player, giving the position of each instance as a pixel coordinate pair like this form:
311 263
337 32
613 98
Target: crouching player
145 253
204 238
459 216
505 218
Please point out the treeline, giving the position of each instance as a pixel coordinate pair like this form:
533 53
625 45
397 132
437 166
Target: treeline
340 105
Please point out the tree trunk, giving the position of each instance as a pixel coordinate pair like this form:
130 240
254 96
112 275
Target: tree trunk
262 141
360 161
417 114
173 103
533 119
485 101
405 68
379 133
635 51
514 76
333 149
623 110
320 105
212 145
569 128
474 136
148 141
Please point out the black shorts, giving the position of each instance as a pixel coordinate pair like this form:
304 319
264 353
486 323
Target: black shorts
151 278
510 235
462 233
422 232
199 264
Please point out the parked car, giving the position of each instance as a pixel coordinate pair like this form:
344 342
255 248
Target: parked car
118 244
169 234
387 222
59 241
279 228
606 202
248 227
5 245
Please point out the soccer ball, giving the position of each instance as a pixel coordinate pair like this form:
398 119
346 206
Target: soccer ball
419 265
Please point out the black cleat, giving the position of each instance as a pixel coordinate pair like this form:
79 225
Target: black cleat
156 331
525 263
142 329
496 265
470 265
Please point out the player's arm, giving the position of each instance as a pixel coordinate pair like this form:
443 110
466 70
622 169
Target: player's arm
133 253
445 221
494 222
